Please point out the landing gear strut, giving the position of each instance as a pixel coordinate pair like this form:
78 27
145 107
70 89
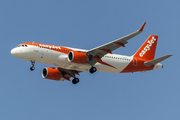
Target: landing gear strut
92 70
75 80
32 62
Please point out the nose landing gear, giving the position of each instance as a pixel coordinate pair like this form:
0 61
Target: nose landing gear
32 62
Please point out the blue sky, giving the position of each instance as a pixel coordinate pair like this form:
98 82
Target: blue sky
25 95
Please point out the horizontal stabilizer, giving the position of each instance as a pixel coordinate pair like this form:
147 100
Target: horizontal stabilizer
157 60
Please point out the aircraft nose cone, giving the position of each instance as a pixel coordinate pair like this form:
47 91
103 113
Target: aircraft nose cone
15 52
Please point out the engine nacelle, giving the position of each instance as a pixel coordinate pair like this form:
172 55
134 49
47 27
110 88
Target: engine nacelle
77 57
51 73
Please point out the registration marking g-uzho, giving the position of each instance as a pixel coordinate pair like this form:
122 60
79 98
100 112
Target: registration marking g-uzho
147 47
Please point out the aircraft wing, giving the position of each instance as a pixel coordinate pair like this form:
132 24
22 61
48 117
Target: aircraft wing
67 74
98 52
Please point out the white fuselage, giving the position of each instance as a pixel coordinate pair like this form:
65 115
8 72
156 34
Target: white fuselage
112 63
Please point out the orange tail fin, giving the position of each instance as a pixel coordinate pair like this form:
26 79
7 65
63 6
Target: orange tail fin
148 49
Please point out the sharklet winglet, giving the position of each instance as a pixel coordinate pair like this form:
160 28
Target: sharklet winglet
142 27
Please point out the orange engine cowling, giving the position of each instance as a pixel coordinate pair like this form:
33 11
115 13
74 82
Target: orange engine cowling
77 57
51 73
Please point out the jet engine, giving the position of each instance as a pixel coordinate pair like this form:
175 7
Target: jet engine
77 57
51 73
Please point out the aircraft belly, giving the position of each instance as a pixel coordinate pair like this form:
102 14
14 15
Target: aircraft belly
74 66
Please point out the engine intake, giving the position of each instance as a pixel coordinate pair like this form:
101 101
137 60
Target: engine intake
77 57
51 73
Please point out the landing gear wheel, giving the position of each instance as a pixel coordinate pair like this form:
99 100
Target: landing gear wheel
32 68
32 62
92 70
75 80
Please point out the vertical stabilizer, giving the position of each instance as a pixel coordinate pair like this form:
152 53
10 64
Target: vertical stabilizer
148 49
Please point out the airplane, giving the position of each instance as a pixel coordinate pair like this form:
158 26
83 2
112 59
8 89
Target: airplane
70 62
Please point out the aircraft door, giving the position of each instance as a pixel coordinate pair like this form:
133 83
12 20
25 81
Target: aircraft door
36 48
134 62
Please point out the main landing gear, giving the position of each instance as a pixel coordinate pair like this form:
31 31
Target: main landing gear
92 70
75 80
32 62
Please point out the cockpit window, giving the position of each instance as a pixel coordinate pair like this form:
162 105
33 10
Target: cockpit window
22 45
